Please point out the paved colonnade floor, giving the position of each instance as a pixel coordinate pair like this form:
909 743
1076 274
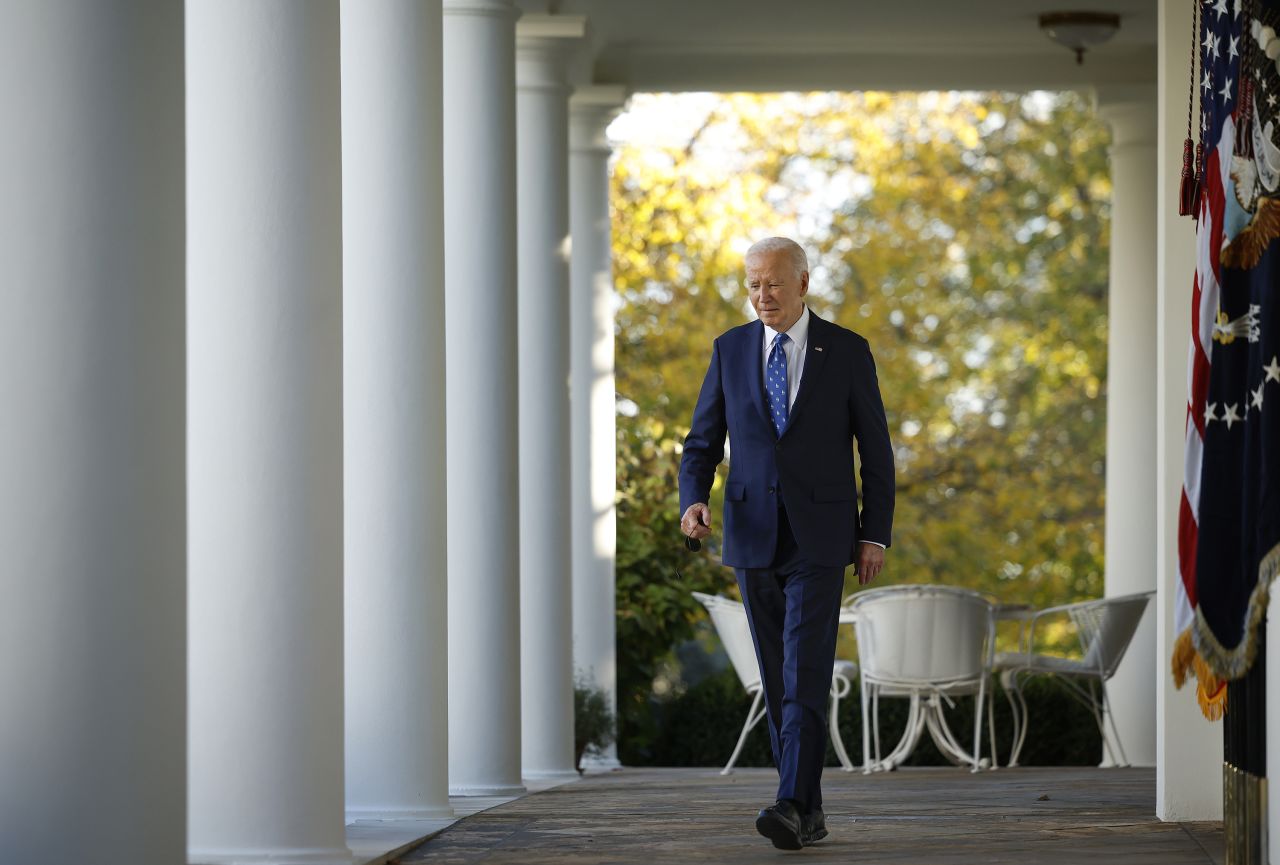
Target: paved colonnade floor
921 816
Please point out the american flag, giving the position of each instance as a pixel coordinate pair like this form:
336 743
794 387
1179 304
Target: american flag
1229 520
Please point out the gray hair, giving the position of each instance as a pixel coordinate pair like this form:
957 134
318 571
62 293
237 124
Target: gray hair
781 244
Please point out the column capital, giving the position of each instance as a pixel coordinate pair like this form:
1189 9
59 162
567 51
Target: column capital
481 8
1130 110
543 44
551 28
591 110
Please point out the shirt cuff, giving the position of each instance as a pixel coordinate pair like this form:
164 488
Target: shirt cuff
877 543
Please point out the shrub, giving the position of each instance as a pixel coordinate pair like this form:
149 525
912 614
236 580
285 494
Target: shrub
593 722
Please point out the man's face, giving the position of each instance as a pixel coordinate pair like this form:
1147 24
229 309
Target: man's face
776 291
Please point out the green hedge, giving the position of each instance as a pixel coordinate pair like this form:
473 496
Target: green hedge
701 726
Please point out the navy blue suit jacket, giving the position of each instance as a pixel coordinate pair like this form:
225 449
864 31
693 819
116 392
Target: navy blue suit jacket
810 465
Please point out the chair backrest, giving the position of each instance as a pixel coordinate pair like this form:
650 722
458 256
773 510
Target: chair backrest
730 620
1106 627
913 635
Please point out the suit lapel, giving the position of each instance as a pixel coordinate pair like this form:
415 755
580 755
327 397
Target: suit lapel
815 354
755 369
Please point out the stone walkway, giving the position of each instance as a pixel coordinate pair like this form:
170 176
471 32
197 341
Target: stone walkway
910 817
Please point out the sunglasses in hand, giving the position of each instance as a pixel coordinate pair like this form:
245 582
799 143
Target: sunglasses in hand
693 544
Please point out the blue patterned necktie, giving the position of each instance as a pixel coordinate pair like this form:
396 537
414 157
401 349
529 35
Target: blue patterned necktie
775 382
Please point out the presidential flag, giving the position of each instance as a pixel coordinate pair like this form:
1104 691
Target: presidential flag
1229 526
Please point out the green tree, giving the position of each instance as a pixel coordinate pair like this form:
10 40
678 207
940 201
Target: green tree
965 235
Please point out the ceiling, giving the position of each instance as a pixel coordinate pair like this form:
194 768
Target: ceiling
773 45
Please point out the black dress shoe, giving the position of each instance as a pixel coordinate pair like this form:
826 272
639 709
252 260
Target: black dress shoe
813 827
780 823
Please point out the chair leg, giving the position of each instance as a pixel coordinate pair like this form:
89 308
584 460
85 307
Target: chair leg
833 715
754 714
1102 724
1096 706
866 728
1106 711
991 726
917 720
940 732
1013 693
875 722
943 736
977 727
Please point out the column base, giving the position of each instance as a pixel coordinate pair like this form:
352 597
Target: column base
607 763
486 790
273 856
444 812
550 775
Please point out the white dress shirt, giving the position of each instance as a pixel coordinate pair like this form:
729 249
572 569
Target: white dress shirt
795 349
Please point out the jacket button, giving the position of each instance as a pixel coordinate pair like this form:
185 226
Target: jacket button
771 490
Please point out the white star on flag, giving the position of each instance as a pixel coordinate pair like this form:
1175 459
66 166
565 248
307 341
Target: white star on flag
1231 417
1272 370
1226 92
1206 83
1208 41
1213 48
1220 7
1211 412
1271 100
1257 396
1231 49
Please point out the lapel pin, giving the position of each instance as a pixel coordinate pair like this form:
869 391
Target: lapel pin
817 348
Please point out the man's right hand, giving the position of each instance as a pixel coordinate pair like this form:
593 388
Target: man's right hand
696 522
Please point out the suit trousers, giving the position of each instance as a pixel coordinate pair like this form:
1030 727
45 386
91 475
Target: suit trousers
793 607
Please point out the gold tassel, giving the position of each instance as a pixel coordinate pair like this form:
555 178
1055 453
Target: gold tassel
1211 692
1184 653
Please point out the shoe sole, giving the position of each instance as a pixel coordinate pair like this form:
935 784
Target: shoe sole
782 835
815 837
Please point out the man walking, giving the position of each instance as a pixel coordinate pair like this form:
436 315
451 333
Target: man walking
793 392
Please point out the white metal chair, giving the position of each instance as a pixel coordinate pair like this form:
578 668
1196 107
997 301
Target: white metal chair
730 620
927 644
1105 628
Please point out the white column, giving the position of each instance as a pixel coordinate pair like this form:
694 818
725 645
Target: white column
1188 748
264 407
92 449
542 170
480 316
393 420
1131 405
594 471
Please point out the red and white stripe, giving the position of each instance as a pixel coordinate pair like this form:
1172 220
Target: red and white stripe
1210 240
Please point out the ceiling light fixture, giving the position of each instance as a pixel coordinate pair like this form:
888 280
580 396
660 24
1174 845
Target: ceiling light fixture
1079 30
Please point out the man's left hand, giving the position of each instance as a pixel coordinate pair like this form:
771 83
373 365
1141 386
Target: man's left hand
870 562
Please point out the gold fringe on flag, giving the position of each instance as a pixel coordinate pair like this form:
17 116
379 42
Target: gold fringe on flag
1184 654
1211 691
1232 663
